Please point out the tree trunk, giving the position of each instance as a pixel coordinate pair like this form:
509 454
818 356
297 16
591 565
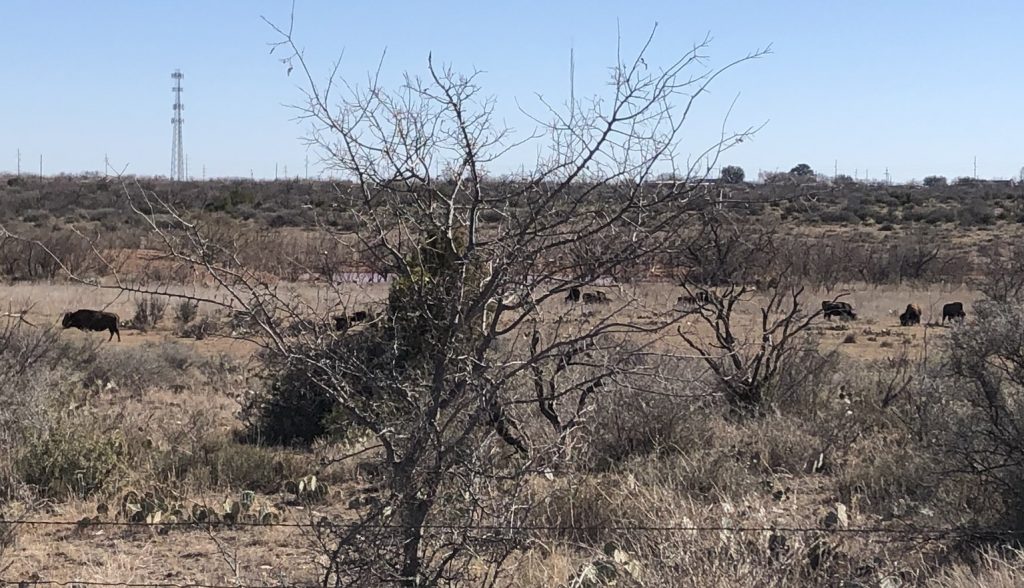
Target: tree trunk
412 536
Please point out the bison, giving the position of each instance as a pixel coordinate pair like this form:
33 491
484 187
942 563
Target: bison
92 320
577 295
343 322
842 310
911 316
953 311
595 298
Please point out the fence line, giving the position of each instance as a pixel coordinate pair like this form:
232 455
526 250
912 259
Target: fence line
896 534
74 584
323 522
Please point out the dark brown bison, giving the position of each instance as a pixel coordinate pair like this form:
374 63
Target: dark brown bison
343 322
92 320
953 311
577 295
911 316
842 310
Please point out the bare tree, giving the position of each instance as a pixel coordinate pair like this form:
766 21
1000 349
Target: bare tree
1002 272
740 266
477 373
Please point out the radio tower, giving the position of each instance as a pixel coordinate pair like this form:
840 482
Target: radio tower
177 149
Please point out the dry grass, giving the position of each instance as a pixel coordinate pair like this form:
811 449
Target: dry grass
702 467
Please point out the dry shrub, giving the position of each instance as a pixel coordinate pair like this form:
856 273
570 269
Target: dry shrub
218 462
185 312
629 423
148 312
33 388
134 370
978 425
996 568
201 328
677 542
889 476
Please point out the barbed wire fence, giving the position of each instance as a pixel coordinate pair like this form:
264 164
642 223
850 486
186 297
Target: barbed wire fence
902 533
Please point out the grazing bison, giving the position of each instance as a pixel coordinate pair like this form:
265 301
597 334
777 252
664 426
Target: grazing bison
953 311
576 295
595 298
92 320
343 322
911 316
842 310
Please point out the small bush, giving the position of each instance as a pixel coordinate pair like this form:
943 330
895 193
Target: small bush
939 215
148 312
293 409
186 311
839 216
218 462
72 459
200 329
976 213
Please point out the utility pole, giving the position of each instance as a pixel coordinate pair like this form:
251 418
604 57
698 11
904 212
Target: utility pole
19 163
106 164
275 172
204 172
835 169
177 149
975 167
40 166
887 175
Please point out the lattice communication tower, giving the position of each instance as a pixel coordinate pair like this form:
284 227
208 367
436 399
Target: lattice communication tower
177 149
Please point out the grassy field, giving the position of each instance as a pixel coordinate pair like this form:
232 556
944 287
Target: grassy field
174 405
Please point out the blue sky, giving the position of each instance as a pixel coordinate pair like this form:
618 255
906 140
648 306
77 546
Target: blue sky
918 87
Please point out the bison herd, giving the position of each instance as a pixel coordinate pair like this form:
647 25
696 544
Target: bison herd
97 320
577 295
954 311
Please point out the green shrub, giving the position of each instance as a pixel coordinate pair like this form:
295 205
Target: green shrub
72 459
